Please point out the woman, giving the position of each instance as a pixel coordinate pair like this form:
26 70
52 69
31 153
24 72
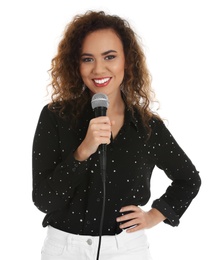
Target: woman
100 53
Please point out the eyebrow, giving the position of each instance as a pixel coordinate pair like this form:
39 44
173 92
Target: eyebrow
103 54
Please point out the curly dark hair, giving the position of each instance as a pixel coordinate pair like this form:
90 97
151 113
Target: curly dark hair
68 91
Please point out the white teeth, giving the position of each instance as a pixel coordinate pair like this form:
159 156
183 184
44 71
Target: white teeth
101 81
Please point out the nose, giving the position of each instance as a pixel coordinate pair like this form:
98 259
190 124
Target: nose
98 67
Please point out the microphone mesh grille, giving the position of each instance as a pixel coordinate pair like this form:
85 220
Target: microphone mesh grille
99 100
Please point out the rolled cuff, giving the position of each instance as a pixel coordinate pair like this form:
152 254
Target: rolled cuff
171 217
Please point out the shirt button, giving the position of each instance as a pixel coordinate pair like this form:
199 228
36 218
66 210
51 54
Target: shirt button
89 241
98 199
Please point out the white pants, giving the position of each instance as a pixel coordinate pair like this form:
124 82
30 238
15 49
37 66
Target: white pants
60 245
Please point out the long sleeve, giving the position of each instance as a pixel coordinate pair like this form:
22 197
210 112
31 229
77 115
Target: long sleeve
56 173
70 192
179 168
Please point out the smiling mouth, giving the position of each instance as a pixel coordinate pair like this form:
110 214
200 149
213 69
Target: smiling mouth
101 82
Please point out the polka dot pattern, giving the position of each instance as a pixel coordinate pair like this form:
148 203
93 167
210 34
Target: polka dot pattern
70 193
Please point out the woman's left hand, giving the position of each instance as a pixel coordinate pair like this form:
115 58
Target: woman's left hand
138 219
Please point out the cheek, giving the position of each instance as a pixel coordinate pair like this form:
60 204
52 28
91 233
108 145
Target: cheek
119 70
83 71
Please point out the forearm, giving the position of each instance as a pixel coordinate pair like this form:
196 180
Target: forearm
53 187
81 154
154 217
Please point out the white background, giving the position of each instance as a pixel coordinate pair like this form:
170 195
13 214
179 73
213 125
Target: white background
183 47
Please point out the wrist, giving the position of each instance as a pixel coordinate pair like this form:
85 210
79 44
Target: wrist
157 215
80 154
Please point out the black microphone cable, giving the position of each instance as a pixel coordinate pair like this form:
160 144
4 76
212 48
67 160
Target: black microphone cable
102 154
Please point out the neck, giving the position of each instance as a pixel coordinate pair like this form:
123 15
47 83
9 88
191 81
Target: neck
116 105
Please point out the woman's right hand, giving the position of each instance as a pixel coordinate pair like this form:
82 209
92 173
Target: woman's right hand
99 132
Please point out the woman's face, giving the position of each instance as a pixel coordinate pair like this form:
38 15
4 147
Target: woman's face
102 62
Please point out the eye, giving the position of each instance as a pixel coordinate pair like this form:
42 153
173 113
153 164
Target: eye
87 59
109 57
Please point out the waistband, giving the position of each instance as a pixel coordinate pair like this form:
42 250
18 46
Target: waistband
121 239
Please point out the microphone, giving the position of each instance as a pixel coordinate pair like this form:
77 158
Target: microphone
100 103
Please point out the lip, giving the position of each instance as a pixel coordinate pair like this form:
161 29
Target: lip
101 82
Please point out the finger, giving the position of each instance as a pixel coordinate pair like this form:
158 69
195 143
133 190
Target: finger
128 224
102 139
129 216
100 127
134 228
101 120
129 208
102 133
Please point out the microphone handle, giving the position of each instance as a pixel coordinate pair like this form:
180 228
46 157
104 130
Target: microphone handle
101 111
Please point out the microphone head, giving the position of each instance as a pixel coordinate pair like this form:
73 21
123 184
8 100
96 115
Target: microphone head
99 100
